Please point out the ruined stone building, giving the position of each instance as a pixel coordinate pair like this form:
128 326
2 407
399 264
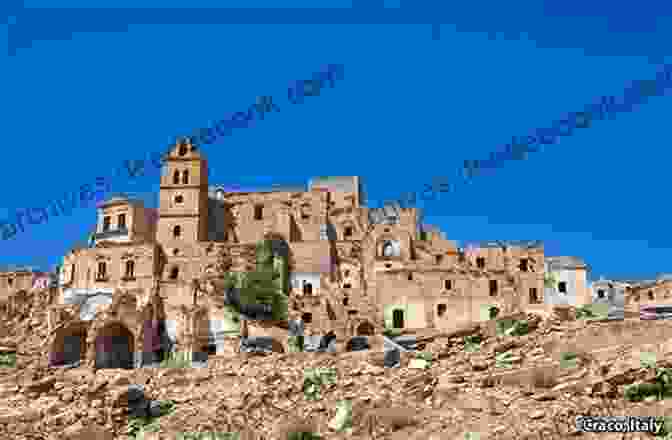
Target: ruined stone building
148 281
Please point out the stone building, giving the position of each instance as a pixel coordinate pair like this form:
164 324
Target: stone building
569 276
149 280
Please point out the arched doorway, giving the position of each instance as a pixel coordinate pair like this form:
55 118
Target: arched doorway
365 329
69 345
114 347
398 318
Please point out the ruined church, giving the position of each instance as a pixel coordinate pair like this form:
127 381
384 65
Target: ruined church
149 282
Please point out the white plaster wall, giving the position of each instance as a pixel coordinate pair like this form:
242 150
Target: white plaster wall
297 279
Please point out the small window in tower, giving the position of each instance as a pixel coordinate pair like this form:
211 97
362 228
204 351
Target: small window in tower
480 262
258 212
106 223
345 301
448 284
177 230
650 295
174 272
10 281
523 265
307 318
441 309
185 177
347 232
307 288
130 269
179 199
439 259
562 287
410 277
183 150
346 273
121 221
176 177
493 287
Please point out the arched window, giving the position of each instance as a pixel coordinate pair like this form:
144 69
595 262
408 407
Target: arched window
185 177
102 270
130 269
398 318
176 177
179 199
307 288
388 249
177 230
174 272
183 150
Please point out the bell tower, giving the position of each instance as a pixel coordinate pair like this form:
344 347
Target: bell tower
183 196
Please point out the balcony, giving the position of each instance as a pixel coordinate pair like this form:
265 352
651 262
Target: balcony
111 234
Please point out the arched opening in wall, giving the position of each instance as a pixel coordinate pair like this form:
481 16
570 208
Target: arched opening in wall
441 310
114 347
307 318
365 329
156 342
176 177
651 295
174 272
307 288
358 343
398 318
276 346
69 345
177 231
185 177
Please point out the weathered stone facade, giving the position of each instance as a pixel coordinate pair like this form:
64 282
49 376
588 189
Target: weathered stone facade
148 279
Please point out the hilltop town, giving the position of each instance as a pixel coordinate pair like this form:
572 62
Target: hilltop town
219 274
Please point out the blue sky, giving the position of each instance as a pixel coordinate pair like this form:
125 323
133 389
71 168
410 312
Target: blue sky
78 102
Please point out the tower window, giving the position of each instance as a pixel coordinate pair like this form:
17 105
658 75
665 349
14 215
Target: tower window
307 318
10 281
183 150
441 309
176 177
130 269
185 177
480 262
179 199
174 272
258 212
106 223
534 296
600 293
448 284
102 271
177 230
650 295
439 259
347 286
307 288
523 265
493 287
410 277
345 301
347 232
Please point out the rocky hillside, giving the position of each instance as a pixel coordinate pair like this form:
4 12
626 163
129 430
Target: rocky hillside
519 381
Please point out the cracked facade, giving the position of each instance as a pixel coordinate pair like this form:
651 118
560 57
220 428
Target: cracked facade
148 282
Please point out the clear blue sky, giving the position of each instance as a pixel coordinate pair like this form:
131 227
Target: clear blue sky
78 102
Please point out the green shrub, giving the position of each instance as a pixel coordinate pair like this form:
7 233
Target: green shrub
8 360
176 360
314 378
138 426
472 343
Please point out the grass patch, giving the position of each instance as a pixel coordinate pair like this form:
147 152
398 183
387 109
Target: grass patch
503 360
659 389
8 360
295 344
176 360
592 311
512 327
314 378
472 343
392 332
138 426
569 359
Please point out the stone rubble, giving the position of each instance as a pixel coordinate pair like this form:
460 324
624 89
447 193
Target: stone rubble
261 395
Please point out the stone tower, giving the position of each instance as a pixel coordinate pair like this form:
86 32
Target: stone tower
183 197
